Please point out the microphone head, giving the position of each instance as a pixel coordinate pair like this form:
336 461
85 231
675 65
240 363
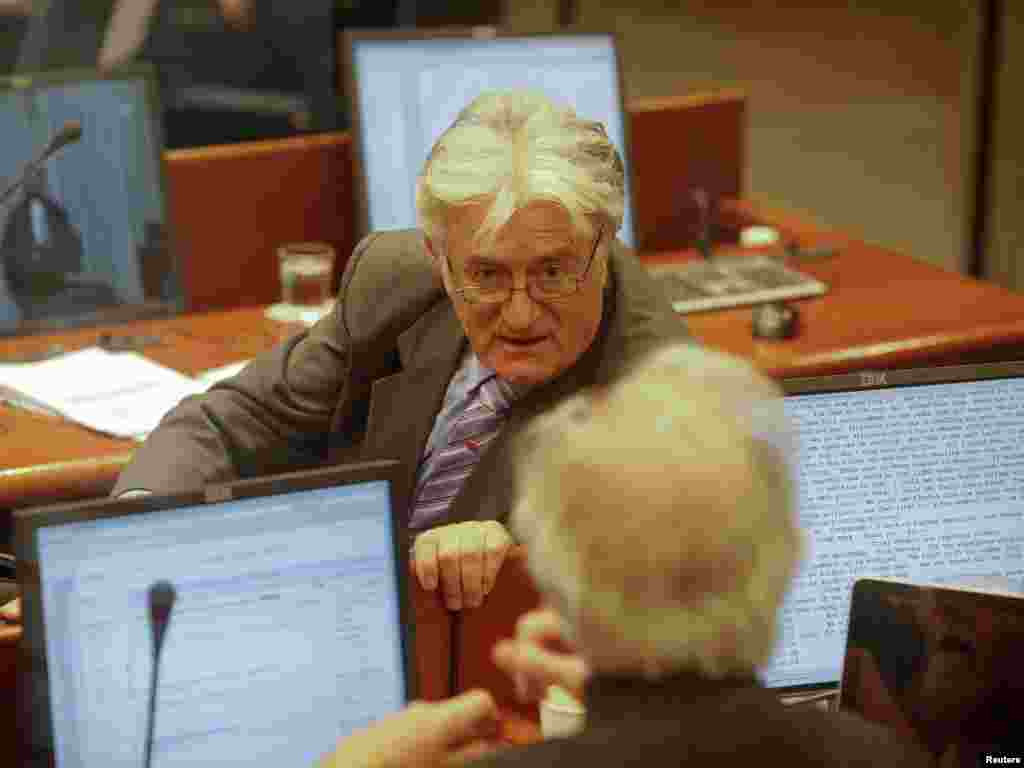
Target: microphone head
69 133
161 600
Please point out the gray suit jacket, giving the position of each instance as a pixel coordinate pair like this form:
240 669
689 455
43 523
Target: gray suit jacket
367 381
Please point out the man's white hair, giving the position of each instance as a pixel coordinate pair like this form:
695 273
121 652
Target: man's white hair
509 149
658 516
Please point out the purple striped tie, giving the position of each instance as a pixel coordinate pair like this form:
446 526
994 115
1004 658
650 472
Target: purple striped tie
467 436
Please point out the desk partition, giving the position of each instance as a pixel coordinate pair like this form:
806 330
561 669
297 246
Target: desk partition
476 630
231 206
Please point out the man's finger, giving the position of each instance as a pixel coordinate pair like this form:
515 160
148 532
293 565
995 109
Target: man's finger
533 669
544 627
468 717
471 562
495 548
449 561
471 752
12 611
425 557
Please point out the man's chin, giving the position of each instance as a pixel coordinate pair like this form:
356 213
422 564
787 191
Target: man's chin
523 372
524 378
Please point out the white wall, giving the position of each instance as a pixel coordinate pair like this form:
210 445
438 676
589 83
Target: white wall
863 120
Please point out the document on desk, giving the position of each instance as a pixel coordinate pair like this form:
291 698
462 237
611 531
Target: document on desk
119 393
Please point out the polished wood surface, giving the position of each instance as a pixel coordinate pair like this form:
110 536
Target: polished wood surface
433 648
678 145
476 630
45 459
883 310
231 206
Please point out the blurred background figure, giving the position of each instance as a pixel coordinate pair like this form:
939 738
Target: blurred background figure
229 70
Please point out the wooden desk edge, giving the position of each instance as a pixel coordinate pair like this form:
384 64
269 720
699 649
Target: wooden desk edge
41 483
980 344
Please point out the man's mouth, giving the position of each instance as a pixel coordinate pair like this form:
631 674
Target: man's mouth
522 342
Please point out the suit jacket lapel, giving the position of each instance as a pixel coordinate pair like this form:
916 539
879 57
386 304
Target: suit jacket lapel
403 406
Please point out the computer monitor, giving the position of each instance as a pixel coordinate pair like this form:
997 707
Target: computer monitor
405 88
915 475
284 623
86 239
941 664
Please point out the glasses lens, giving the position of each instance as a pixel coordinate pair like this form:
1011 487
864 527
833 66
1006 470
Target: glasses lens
538 289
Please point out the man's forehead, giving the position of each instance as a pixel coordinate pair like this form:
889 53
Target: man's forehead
536 227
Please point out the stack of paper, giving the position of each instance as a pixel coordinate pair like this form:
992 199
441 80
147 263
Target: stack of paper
118 393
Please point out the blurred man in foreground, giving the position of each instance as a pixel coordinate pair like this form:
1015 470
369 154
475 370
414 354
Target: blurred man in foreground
659 523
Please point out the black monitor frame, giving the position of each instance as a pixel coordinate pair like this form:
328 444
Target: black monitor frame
35 732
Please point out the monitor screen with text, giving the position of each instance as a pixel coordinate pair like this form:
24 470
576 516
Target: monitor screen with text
921 483
285 634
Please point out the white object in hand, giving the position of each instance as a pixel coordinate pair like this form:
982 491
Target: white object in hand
561 714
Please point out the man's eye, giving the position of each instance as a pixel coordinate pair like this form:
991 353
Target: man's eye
553 270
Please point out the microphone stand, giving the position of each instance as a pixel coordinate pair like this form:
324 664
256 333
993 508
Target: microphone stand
161 600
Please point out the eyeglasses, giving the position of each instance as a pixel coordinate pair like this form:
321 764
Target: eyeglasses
556 279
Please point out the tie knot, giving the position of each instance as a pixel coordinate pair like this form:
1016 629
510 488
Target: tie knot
496 394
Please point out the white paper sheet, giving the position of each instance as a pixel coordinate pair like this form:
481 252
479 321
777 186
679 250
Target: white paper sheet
119 393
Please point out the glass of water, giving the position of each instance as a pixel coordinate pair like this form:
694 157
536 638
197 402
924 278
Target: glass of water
306 270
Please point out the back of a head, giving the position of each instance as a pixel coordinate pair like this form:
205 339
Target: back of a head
516 147
658 515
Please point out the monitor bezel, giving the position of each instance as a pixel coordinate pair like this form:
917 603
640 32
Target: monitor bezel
29 521
150 308
357 134
868 380
902 377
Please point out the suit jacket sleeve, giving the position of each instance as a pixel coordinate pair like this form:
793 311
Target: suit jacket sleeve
287 409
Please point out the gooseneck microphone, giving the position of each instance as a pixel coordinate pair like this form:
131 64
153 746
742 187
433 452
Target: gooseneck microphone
161 601
69 133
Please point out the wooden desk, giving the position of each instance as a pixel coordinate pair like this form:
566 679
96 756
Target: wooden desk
44 459
476 630
883 310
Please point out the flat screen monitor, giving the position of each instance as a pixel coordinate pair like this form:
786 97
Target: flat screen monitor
86 239
916 475
285 620
406 89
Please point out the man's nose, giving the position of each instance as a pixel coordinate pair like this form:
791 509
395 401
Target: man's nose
520 310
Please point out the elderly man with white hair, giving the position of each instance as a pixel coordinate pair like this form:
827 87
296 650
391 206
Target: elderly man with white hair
659 522
445 341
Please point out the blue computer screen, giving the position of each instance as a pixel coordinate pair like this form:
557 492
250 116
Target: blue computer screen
284 637
920 483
